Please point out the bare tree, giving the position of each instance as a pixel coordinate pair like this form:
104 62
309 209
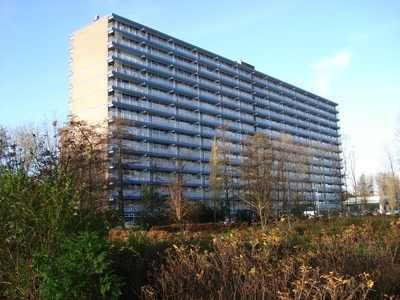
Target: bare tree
393 190
282 164
215 177
227 170
322 151
83 156
292 169
301 175
345 142
391 178
122 157
7 151
397 139
381 183
338 175
182 211
364 189
258 180
352 164
31 147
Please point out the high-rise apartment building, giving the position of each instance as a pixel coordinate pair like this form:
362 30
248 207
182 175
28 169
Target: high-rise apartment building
178 95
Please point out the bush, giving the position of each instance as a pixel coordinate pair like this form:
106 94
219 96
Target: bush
38 216
314 260
84 270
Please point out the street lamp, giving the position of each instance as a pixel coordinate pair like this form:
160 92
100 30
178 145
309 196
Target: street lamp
316 193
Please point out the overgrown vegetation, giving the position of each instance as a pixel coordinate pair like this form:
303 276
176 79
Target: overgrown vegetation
52 248
55 242
314 260
52 235
45 219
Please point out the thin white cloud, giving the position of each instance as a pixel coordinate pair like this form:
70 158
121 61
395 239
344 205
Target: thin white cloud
373 32
328 69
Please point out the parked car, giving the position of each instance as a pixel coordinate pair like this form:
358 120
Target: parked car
130 224
380 212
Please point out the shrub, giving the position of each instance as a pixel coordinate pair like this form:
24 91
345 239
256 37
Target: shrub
84 270
310 261
38 216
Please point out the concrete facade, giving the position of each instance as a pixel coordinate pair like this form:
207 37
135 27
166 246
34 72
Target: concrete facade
178 95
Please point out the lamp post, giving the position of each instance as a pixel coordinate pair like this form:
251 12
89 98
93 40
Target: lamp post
316 193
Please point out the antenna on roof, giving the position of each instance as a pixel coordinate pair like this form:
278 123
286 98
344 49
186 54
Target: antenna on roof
96 17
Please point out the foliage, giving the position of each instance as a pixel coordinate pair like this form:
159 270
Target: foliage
52 239
37 216
130 262
42 205
83 270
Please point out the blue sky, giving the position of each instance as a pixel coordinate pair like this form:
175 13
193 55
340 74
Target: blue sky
345 50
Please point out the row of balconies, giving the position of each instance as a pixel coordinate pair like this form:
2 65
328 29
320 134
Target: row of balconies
174 143
320 182
149 119
238 126
278 116
170 142
198 188
202 180
145 105
217 98
277 86
194 54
